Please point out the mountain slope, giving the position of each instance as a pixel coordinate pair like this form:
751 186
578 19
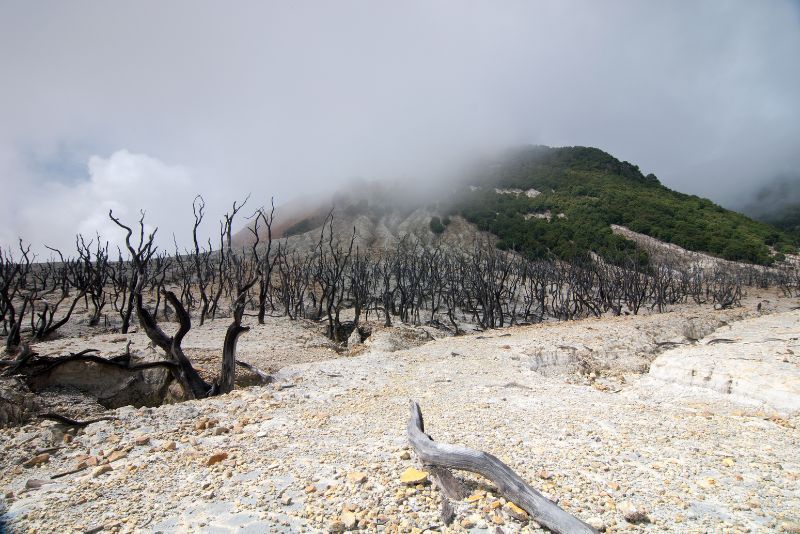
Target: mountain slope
562 202
542 202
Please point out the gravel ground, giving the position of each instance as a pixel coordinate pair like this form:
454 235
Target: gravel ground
324 447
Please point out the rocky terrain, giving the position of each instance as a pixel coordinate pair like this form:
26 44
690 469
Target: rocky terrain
613 418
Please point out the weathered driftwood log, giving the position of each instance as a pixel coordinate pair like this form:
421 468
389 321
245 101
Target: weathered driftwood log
541 509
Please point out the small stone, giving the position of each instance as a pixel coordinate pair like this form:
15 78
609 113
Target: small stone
91 461
498 520
468 522
413 476
792 527
516 512
35 483
141 440
117 455
475 497
310 489
38 460
405 455
545 475
99 470
356 477
614 486
707 483
631 513
169 446
349 520
728 462
336 526
286 500
216 458
596 523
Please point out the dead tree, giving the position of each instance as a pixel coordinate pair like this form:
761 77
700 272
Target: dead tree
444 456
202 268
294 274
95 275
228 224
45 324
385 269
224 279
726 289
246 278
13 281
359 278
193 385
184 277
264 262
635 284
454 280
331 263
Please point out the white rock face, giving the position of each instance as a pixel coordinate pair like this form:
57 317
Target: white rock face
760 366
532 193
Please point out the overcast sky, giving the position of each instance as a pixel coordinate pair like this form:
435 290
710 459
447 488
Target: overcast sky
130 105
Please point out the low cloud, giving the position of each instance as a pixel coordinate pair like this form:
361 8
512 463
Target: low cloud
123 182
292 98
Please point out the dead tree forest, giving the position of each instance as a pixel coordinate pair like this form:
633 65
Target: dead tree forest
336 284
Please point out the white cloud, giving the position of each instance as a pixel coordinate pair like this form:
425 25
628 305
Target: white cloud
123 182
282 98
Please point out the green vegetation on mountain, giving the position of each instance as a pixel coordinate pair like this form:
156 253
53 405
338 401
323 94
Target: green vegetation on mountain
583 191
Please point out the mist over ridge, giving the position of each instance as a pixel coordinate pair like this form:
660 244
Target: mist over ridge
136 107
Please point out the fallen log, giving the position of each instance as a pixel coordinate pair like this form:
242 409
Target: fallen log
52 363
442 455
70 472
112 382
74 423
263 377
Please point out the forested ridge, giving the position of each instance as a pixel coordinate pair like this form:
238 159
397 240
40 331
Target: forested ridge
581 191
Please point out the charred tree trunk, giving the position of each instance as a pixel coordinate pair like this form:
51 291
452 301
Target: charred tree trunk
194 386
228 372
